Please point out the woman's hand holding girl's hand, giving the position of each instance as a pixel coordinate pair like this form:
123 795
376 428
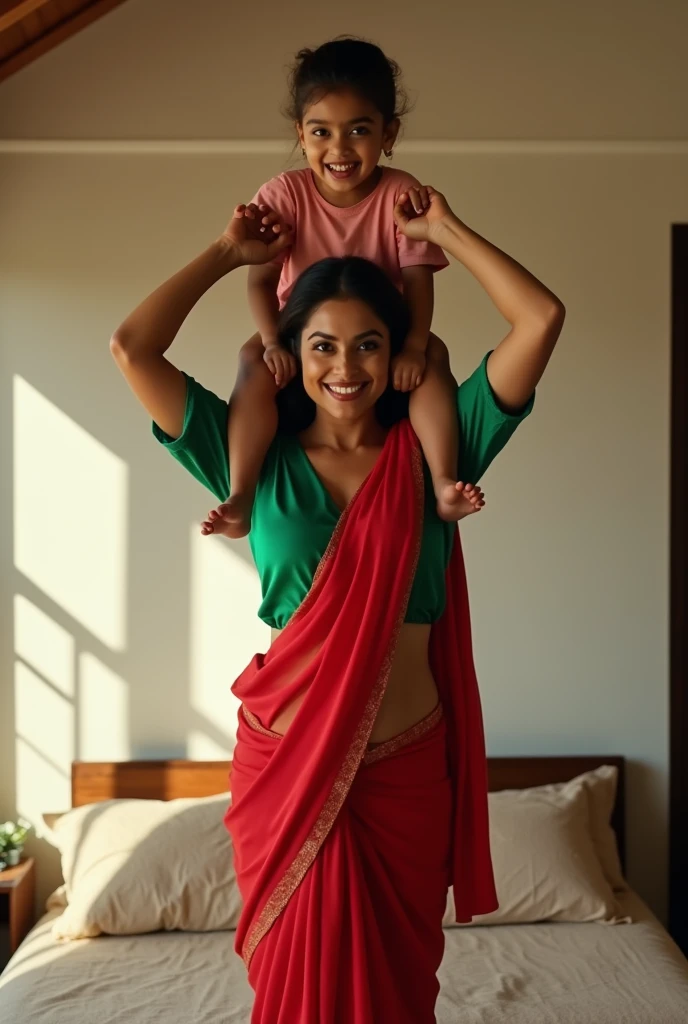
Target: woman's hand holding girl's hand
256 235
422 213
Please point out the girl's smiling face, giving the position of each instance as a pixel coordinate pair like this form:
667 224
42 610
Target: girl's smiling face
343 136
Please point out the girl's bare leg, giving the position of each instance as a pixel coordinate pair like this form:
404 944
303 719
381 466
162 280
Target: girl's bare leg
434 417
251 428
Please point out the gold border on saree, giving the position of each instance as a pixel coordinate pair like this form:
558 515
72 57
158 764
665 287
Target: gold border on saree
390 746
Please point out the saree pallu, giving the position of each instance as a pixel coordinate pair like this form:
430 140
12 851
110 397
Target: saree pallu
295 849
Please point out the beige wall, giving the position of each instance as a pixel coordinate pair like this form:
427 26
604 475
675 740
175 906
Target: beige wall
121 627
496 69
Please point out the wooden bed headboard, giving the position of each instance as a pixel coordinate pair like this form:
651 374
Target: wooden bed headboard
93 781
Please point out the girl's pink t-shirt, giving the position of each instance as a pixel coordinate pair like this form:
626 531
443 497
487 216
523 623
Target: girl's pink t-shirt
367 229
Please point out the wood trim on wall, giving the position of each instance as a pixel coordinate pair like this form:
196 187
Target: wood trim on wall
678 647
93 781
408 147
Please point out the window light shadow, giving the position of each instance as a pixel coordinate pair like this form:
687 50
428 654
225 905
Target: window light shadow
225 634
70 515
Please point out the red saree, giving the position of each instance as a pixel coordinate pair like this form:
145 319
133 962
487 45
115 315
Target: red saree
342 902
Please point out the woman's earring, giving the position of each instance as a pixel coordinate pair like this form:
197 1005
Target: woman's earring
389 153
303 153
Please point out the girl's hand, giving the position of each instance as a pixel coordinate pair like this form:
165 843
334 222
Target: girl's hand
256 235
421 213
281 363
408 369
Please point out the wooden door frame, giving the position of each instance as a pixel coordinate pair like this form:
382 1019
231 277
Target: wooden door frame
678 671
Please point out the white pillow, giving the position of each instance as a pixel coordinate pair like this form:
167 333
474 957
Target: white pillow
549 844
133 866
601 785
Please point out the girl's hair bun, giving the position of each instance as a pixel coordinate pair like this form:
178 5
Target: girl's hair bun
346 63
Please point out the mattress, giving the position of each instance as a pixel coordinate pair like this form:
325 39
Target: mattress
523 974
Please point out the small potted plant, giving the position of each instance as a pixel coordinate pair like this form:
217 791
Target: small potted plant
12 837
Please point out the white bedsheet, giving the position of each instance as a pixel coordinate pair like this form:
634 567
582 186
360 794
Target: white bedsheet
524 974
565 973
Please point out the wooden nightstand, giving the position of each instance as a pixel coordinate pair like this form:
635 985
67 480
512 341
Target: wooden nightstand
17 894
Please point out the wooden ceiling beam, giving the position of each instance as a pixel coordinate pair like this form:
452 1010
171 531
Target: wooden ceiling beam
54 36
12 12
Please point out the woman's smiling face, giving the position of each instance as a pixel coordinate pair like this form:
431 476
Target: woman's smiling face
345 356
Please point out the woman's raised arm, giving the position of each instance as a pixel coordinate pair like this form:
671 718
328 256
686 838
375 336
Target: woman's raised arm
536 315
140 342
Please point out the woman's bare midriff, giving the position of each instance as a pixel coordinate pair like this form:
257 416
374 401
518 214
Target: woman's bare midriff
411 692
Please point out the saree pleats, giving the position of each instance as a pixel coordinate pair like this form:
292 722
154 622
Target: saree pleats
361 940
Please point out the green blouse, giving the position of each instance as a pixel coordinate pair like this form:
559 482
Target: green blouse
294 515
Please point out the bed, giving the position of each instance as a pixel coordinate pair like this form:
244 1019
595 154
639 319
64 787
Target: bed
550 971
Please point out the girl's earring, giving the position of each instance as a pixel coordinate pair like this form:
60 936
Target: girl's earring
303 153
389 153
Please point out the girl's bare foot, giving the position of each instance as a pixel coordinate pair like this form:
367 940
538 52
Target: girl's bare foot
232 518
455 500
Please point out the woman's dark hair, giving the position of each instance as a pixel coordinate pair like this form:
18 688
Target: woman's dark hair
346 277
346 63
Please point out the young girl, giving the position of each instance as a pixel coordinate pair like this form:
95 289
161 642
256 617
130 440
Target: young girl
346 106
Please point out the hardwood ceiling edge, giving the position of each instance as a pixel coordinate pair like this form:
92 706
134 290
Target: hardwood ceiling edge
57 35
18 11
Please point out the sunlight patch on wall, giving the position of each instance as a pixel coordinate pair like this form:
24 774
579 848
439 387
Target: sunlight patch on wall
41 787
44 742
43 717
224 628
103 712
44 645
202 748
70 514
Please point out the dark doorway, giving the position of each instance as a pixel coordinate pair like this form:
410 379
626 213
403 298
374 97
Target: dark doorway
678 691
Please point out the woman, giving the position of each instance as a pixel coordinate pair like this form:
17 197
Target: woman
359 780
